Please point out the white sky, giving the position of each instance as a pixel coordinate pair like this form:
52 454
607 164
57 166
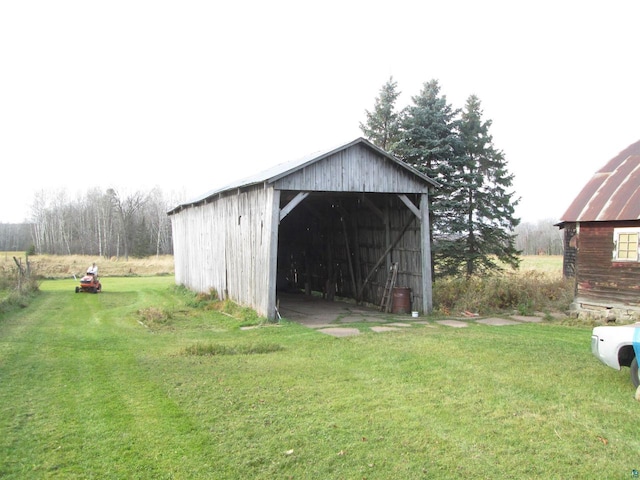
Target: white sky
189 95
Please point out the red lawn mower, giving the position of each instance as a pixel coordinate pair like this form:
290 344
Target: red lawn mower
89 284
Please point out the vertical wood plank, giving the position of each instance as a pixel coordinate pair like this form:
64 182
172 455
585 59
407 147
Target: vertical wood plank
427 289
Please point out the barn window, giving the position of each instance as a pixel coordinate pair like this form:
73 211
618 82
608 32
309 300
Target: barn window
625 244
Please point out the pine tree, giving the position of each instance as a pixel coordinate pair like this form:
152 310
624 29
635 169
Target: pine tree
430 142
481 208
382 125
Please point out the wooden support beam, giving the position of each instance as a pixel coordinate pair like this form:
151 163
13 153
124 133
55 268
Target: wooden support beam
410 205
384 255
346 244
372 206
284 211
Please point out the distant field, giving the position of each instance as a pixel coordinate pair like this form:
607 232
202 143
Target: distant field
551 264
65 266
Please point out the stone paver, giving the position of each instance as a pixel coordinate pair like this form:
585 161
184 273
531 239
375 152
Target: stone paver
385 329
453 323
333 318
340 331
497 322
523 318
358 319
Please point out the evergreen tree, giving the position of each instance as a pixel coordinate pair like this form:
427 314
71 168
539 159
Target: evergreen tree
430 142
382 125
480 220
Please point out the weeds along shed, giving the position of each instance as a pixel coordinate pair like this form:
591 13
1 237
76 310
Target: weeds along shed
330 223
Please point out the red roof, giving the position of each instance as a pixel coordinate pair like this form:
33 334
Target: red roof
613 193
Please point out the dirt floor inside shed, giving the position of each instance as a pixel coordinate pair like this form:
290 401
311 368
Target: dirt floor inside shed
316 312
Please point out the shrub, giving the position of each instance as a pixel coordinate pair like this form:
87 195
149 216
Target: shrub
17 292
153 316
524 292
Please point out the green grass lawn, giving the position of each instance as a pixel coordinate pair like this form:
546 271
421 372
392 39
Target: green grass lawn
116 385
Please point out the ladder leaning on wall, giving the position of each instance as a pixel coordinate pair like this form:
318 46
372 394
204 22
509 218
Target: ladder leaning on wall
385 303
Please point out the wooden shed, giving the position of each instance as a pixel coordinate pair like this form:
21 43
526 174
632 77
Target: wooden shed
332 223
601 233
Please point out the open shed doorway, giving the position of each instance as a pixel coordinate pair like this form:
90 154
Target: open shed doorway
337 246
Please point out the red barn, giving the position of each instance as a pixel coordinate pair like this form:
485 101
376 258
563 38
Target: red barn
601 240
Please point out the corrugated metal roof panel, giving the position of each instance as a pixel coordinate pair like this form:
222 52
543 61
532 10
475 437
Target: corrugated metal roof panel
613 193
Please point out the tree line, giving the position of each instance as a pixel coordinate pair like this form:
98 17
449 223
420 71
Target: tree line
105 223
471 213
541 238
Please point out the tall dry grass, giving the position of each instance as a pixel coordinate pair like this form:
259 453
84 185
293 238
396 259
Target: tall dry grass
537 286
66 266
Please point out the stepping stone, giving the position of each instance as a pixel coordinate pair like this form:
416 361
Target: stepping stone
358 319
453 323
384 329
340 332
426 323
253 327
497 322
523 318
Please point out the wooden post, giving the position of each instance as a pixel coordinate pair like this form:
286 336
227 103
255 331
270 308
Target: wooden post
273 255
20 272
356 257
346 244
425 240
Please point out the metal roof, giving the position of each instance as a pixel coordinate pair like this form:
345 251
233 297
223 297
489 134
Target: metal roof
281 170
613 193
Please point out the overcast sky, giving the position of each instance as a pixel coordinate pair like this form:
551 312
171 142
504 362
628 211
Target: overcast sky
190 95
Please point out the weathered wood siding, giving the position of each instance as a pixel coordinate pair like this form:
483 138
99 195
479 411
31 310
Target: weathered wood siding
599 279
357 169
407 253
226 245
340 214
570 250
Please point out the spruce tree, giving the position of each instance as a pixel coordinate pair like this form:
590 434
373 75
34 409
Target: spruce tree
481 207
382 124
430 142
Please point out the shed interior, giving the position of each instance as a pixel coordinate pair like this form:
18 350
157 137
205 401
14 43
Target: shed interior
342 245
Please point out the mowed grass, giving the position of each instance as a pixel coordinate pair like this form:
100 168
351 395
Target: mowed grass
143 381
